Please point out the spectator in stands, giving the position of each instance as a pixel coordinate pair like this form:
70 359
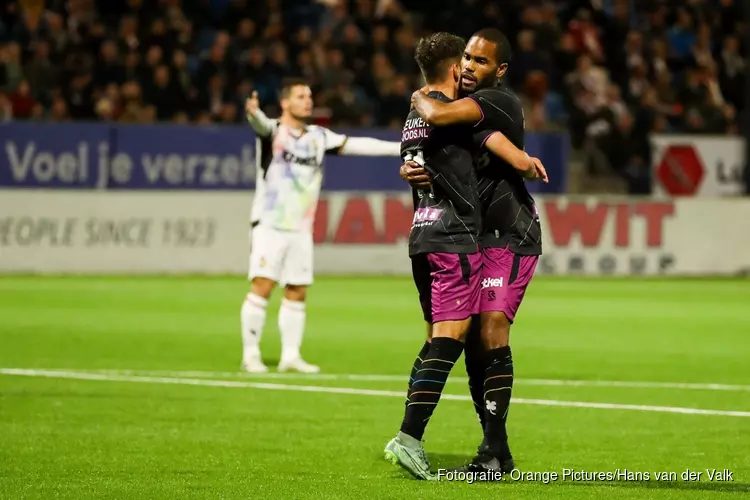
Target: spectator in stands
681 35
6 108
165 94
10 57
59 110
246 37
527 59
659 61
565 58
586 35
21 100
732 69
109 66
42 74
132 104
335 68
394 99
543 110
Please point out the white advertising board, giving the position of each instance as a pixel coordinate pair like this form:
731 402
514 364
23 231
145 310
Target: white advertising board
688 165
176 232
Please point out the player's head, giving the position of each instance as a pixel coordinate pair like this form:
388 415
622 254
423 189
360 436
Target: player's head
296 99
485 60
439 57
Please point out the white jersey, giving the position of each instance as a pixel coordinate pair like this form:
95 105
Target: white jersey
289 175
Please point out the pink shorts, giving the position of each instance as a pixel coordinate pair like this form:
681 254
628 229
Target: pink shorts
505 277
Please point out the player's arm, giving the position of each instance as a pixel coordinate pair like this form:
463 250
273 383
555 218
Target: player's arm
440 113
528 167
257 119
337 144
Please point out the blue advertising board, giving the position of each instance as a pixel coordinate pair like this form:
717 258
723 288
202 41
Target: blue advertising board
186 157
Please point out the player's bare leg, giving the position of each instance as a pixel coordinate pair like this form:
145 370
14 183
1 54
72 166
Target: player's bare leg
253 319
292 328
444 350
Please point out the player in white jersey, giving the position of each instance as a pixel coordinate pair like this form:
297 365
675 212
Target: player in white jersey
289 159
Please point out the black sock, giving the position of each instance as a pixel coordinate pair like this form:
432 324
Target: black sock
417 365
498 385
428 384
475 364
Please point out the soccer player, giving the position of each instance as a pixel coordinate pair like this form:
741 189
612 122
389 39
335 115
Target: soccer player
511 240
289 156
443 244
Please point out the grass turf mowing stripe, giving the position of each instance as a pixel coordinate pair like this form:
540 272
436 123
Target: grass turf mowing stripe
345 390
398 378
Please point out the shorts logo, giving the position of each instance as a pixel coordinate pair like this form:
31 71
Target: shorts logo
262 262
492 283
491 296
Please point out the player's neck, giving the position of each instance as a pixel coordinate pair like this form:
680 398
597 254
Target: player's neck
291 122
448 89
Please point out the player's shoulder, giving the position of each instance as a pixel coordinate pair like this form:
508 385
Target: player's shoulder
497 95
321 130
315 129
439 96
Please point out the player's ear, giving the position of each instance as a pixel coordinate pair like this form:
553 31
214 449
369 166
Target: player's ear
501 70
456 72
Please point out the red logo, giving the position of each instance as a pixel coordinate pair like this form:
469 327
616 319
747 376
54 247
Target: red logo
680 170
363 220
588 222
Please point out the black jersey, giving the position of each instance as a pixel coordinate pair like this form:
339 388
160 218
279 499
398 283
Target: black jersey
447 217
509 213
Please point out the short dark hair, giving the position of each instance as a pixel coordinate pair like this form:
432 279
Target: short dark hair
434 52
288 84
503 52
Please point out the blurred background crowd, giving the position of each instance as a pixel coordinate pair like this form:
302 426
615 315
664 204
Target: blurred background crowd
608 71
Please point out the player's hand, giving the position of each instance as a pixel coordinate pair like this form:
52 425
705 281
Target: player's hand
540 173
421 92
415 175
252 104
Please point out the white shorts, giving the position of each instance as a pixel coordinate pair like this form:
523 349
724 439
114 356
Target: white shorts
285 257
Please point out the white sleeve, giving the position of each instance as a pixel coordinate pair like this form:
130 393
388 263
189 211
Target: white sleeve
367 146
359 146
334 142
262 125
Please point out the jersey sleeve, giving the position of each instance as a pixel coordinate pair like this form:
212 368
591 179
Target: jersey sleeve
263 126
274 127
480 136
500 110
334 142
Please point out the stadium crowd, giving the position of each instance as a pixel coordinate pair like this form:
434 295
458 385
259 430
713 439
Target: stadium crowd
609 71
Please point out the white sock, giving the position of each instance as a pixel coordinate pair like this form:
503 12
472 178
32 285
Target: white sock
292 327
253 317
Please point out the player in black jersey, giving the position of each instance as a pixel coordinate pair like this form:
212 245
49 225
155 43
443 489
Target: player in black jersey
511 236
443 246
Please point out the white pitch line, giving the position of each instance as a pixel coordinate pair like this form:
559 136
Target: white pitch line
347 390
402 378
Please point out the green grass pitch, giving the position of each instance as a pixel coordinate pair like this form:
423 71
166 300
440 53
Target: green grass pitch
154 436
